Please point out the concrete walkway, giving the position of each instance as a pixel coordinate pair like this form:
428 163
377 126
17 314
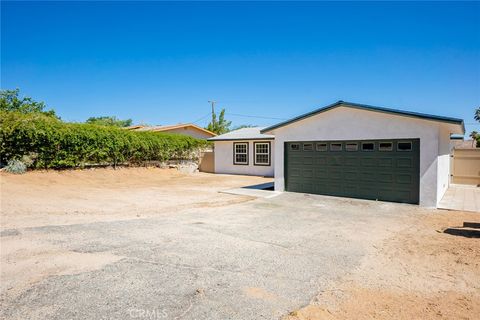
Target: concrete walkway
258 191
461 197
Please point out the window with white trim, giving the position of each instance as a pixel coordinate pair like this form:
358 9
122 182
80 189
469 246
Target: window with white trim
261 153
240 153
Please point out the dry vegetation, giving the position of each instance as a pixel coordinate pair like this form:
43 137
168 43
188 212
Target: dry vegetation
421 273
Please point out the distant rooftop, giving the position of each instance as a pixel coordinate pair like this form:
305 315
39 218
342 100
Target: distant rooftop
244 134
169 127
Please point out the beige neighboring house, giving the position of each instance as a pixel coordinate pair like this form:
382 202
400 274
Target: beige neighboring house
188 129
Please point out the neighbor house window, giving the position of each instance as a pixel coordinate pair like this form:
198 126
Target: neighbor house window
404 146
262 153
240 153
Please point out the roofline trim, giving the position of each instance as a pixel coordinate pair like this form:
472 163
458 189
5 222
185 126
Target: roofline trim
368 108
239 139
183 125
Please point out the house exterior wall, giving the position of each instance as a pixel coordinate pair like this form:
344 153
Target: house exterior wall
189 131
224 159
444 162
343 123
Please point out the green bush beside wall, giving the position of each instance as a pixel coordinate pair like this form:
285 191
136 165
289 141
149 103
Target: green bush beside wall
52 143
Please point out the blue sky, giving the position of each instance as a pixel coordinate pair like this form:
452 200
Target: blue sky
160 63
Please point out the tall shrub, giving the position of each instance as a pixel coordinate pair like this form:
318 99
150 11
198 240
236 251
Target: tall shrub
56 144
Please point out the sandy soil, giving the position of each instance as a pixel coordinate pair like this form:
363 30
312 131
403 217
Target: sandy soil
67 197
48 198
420 273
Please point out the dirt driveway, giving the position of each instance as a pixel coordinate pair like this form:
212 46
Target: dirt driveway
158 244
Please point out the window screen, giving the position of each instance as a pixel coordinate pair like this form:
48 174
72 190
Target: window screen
240 153
262 153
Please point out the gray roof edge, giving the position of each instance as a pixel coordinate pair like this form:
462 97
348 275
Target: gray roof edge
239 139
370 108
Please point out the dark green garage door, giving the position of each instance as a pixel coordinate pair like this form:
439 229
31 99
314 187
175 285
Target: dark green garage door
387 170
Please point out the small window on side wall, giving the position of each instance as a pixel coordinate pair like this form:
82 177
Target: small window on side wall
351 146
262 153
368 146
404 146
335 146
321 147
295 147
240 153
385 146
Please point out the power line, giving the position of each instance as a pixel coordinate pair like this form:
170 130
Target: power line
202 118
251 116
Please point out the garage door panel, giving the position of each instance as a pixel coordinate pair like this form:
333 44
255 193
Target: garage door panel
351 161
369 162
308 160
404 179
404 163
321 173
350 176
335 174
335 161
385 162
308 173
389 175
385 177
322 161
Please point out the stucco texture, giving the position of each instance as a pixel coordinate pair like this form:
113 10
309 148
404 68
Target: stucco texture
224 159
343 123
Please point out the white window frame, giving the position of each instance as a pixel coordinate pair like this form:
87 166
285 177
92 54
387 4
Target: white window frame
235 162
268 153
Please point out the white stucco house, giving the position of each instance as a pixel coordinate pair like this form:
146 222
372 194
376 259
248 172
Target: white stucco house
350 150
244 151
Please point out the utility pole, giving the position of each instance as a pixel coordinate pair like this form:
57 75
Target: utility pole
213 111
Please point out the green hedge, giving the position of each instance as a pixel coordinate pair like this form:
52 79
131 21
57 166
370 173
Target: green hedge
55 144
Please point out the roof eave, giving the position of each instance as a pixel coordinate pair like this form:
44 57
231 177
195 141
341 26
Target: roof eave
239 139
369 108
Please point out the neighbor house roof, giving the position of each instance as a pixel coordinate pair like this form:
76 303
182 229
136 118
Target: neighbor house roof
171 127
243 134
369 108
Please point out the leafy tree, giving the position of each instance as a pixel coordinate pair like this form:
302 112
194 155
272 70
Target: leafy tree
244 126
475 138
477 114
10 100
109 121
221 126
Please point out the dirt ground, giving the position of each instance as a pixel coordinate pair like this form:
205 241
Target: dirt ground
51 226
75 196
420 273
49 198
